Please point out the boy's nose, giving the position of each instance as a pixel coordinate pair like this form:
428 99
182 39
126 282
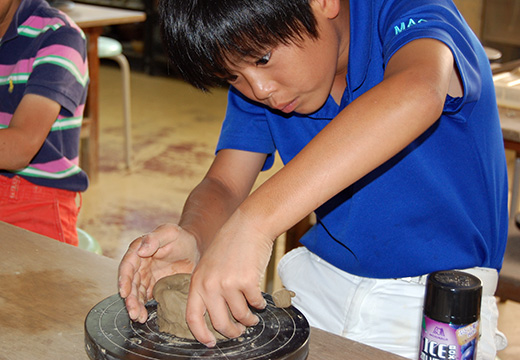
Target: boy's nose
262 88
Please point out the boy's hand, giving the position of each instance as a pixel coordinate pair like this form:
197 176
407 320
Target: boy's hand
228 277
165 251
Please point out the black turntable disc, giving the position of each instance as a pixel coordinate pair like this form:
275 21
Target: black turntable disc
111 335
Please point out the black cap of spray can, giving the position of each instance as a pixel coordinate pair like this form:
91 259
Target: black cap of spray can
451 314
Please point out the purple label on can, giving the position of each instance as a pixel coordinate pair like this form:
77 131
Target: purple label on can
448 341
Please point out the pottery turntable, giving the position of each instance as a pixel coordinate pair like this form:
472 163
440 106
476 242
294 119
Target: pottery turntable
282 333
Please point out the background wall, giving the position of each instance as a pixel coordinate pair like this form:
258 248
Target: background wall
472 12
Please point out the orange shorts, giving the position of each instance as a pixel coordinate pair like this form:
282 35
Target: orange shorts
43 210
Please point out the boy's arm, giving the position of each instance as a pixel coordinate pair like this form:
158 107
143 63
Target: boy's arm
28 129
367 133
227 183
371 130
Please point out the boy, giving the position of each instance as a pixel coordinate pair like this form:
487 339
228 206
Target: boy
43 87
384 115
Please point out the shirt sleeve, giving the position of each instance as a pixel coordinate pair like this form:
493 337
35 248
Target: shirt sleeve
246 128
60 69
405 20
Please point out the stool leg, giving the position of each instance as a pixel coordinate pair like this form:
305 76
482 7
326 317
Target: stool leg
125 74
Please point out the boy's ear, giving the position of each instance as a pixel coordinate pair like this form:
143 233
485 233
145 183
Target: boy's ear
327 8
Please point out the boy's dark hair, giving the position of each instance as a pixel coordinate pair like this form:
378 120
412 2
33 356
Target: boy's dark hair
204 37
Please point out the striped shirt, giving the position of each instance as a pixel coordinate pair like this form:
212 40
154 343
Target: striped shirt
44 52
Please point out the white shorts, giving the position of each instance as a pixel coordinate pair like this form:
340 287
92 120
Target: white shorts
383 313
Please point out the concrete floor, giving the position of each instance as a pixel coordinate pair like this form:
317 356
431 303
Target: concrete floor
175 129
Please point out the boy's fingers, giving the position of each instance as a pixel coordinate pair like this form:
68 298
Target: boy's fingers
239 308
136 311
132 306
128 268
195 311
124 286
160 237
221 314
127 272
135 301
255 298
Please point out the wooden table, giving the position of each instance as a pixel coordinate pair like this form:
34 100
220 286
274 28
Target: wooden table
47 288
92 19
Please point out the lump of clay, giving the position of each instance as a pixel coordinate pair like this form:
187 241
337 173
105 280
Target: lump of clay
171 294
282 298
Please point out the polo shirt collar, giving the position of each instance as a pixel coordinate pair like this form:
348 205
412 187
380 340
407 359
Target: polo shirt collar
26 7
361 28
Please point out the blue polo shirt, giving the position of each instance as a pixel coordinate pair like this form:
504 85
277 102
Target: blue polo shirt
441 203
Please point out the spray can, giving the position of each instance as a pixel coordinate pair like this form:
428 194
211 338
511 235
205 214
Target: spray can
451 314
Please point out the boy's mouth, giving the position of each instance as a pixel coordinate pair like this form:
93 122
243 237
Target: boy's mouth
287 107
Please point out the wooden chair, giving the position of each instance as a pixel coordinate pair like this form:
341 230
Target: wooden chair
293 235
509 278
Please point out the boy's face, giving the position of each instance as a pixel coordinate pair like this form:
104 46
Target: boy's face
295 77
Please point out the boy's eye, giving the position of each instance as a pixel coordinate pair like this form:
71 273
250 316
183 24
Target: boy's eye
264 59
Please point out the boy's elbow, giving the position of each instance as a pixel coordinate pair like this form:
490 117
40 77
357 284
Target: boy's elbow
432 99
18 162
438 99
23 162
20 158
18 148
